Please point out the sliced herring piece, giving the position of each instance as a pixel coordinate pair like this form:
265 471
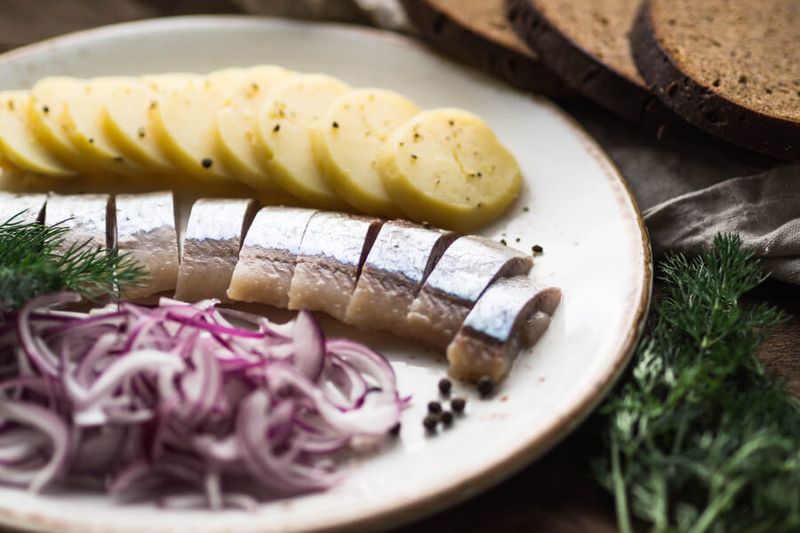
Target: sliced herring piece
400 259
467 267
21 207
210 247
511 314
146 230
268 256
331 254
89 219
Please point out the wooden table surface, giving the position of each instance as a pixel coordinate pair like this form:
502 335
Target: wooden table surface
555 494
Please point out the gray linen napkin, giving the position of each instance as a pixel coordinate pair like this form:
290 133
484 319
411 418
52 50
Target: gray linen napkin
764 209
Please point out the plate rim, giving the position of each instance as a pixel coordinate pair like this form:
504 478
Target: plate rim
493 473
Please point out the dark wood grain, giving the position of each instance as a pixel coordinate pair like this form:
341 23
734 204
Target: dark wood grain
555 494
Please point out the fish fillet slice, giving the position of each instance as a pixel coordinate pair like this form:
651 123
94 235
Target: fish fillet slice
400 259
89 219
331 254
210 247
22 207
146 230
268 256
511 314
467 267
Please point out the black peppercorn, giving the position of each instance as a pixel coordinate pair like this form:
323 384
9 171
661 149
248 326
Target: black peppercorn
206 162
445 386
458 405
536 249
434 407
485 386
447 418
430 422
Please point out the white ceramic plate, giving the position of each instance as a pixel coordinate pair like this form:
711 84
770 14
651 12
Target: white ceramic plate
578 208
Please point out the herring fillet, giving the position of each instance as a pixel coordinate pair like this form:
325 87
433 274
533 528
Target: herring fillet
511 314
331 254
400 259
465 270
23 208
268 256
88 218
210 247
146 231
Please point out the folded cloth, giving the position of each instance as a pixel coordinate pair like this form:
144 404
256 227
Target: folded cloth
764 209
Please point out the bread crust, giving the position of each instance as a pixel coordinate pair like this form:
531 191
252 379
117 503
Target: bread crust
586 73
703 107
471 46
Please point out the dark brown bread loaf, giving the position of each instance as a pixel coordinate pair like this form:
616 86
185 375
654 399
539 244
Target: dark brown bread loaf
476 32
730 67
586 43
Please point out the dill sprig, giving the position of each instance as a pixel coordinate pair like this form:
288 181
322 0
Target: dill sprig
700 438
30 265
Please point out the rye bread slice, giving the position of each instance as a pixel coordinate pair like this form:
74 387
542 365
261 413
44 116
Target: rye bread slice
477 33
731 68
586 44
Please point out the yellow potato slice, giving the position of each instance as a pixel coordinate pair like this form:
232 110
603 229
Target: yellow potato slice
126 119
284 124
17 142
348 140
84 124
184 122
46 116
237 123
447 167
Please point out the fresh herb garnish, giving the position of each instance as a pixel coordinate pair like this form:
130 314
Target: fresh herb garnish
700 438
30 266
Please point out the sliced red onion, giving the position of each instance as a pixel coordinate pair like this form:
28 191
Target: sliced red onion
19 445
309 345
178 402
48 424
273 471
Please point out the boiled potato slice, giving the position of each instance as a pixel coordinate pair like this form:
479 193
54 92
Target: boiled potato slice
46 115
184 122
237 124
447 167
348 141
84 125
126 119
17 142
284 124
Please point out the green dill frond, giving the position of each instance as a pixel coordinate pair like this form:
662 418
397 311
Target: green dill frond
700 438
30 265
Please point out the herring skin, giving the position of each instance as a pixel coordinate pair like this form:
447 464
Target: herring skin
465 270
211 246
400 260
146 231
89 219
511 314
268 256
333 249
23 208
